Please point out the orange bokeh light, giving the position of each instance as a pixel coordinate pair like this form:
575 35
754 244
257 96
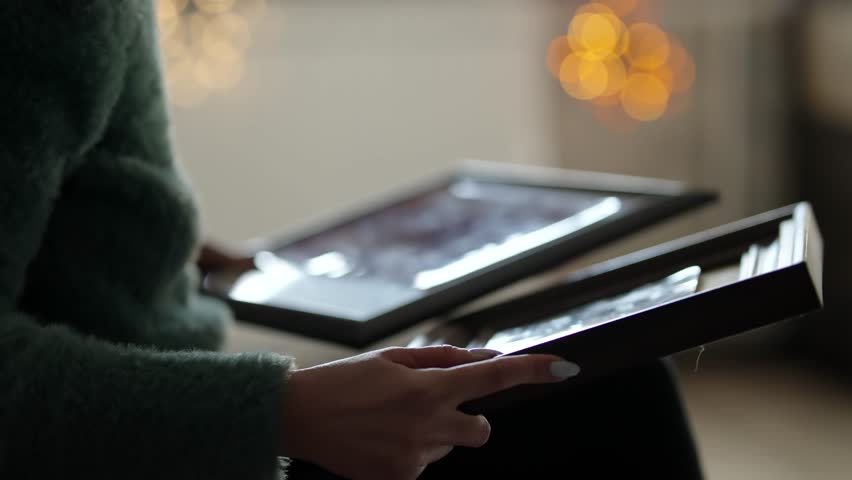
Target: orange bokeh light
628 75
598 36
664 74
214 6
616 76
218 75
644 97
583 79
556 53
231 26
649 46
204 46
683 68
596 32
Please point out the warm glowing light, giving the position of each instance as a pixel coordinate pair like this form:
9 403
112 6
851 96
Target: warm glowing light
616 76
168 16
204 46
644 97
649 46
214 6
219 75
557 51
180 5
626 74
183 90
583 79
598 36
174 48
683 68
596 32
228 26
221 49
196 25
664 74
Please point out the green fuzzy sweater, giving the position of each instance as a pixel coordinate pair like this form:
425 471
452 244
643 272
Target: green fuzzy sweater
105 362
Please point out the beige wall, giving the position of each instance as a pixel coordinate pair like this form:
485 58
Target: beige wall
344 98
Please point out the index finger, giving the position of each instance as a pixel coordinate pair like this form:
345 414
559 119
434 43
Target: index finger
476 380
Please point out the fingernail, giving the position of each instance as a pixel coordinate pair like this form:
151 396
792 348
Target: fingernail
563 369
485 352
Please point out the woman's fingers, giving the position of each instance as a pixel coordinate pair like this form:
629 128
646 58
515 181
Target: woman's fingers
438 356
465 430
476 380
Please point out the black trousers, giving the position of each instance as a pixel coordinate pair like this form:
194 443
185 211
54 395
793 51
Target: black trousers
629 425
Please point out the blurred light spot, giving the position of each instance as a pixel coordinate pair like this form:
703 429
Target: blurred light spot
215 74
556 53
196 25
182 86
204 46
598 36
596 32
664 74
649 46
214 6
583 79
331 264
175 47
228 26
180 5
168 16
683 68
221 49
644 97
616 76
624 75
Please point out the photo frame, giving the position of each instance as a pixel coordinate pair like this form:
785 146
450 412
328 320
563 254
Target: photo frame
733 295
426 248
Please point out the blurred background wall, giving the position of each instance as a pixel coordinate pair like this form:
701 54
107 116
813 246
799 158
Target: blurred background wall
339 99
288 109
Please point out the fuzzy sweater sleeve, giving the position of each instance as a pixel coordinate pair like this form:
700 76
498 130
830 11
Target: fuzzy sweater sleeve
70 404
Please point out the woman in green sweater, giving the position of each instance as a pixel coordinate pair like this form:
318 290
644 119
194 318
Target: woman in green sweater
108 366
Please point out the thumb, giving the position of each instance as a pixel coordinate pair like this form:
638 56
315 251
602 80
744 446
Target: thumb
437 356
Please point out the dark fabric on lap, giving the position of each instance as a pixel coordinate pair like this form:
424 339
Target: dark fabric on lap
630 425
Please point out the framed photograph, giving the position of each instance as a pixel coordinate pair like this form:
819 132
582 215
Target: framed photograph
655 302
427 248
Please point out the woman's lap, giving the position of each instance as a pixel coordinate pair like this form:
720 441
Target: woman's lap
630 424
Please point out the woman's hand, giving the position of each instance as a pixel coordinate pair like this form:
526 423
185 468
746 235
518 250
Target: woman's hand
386 415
